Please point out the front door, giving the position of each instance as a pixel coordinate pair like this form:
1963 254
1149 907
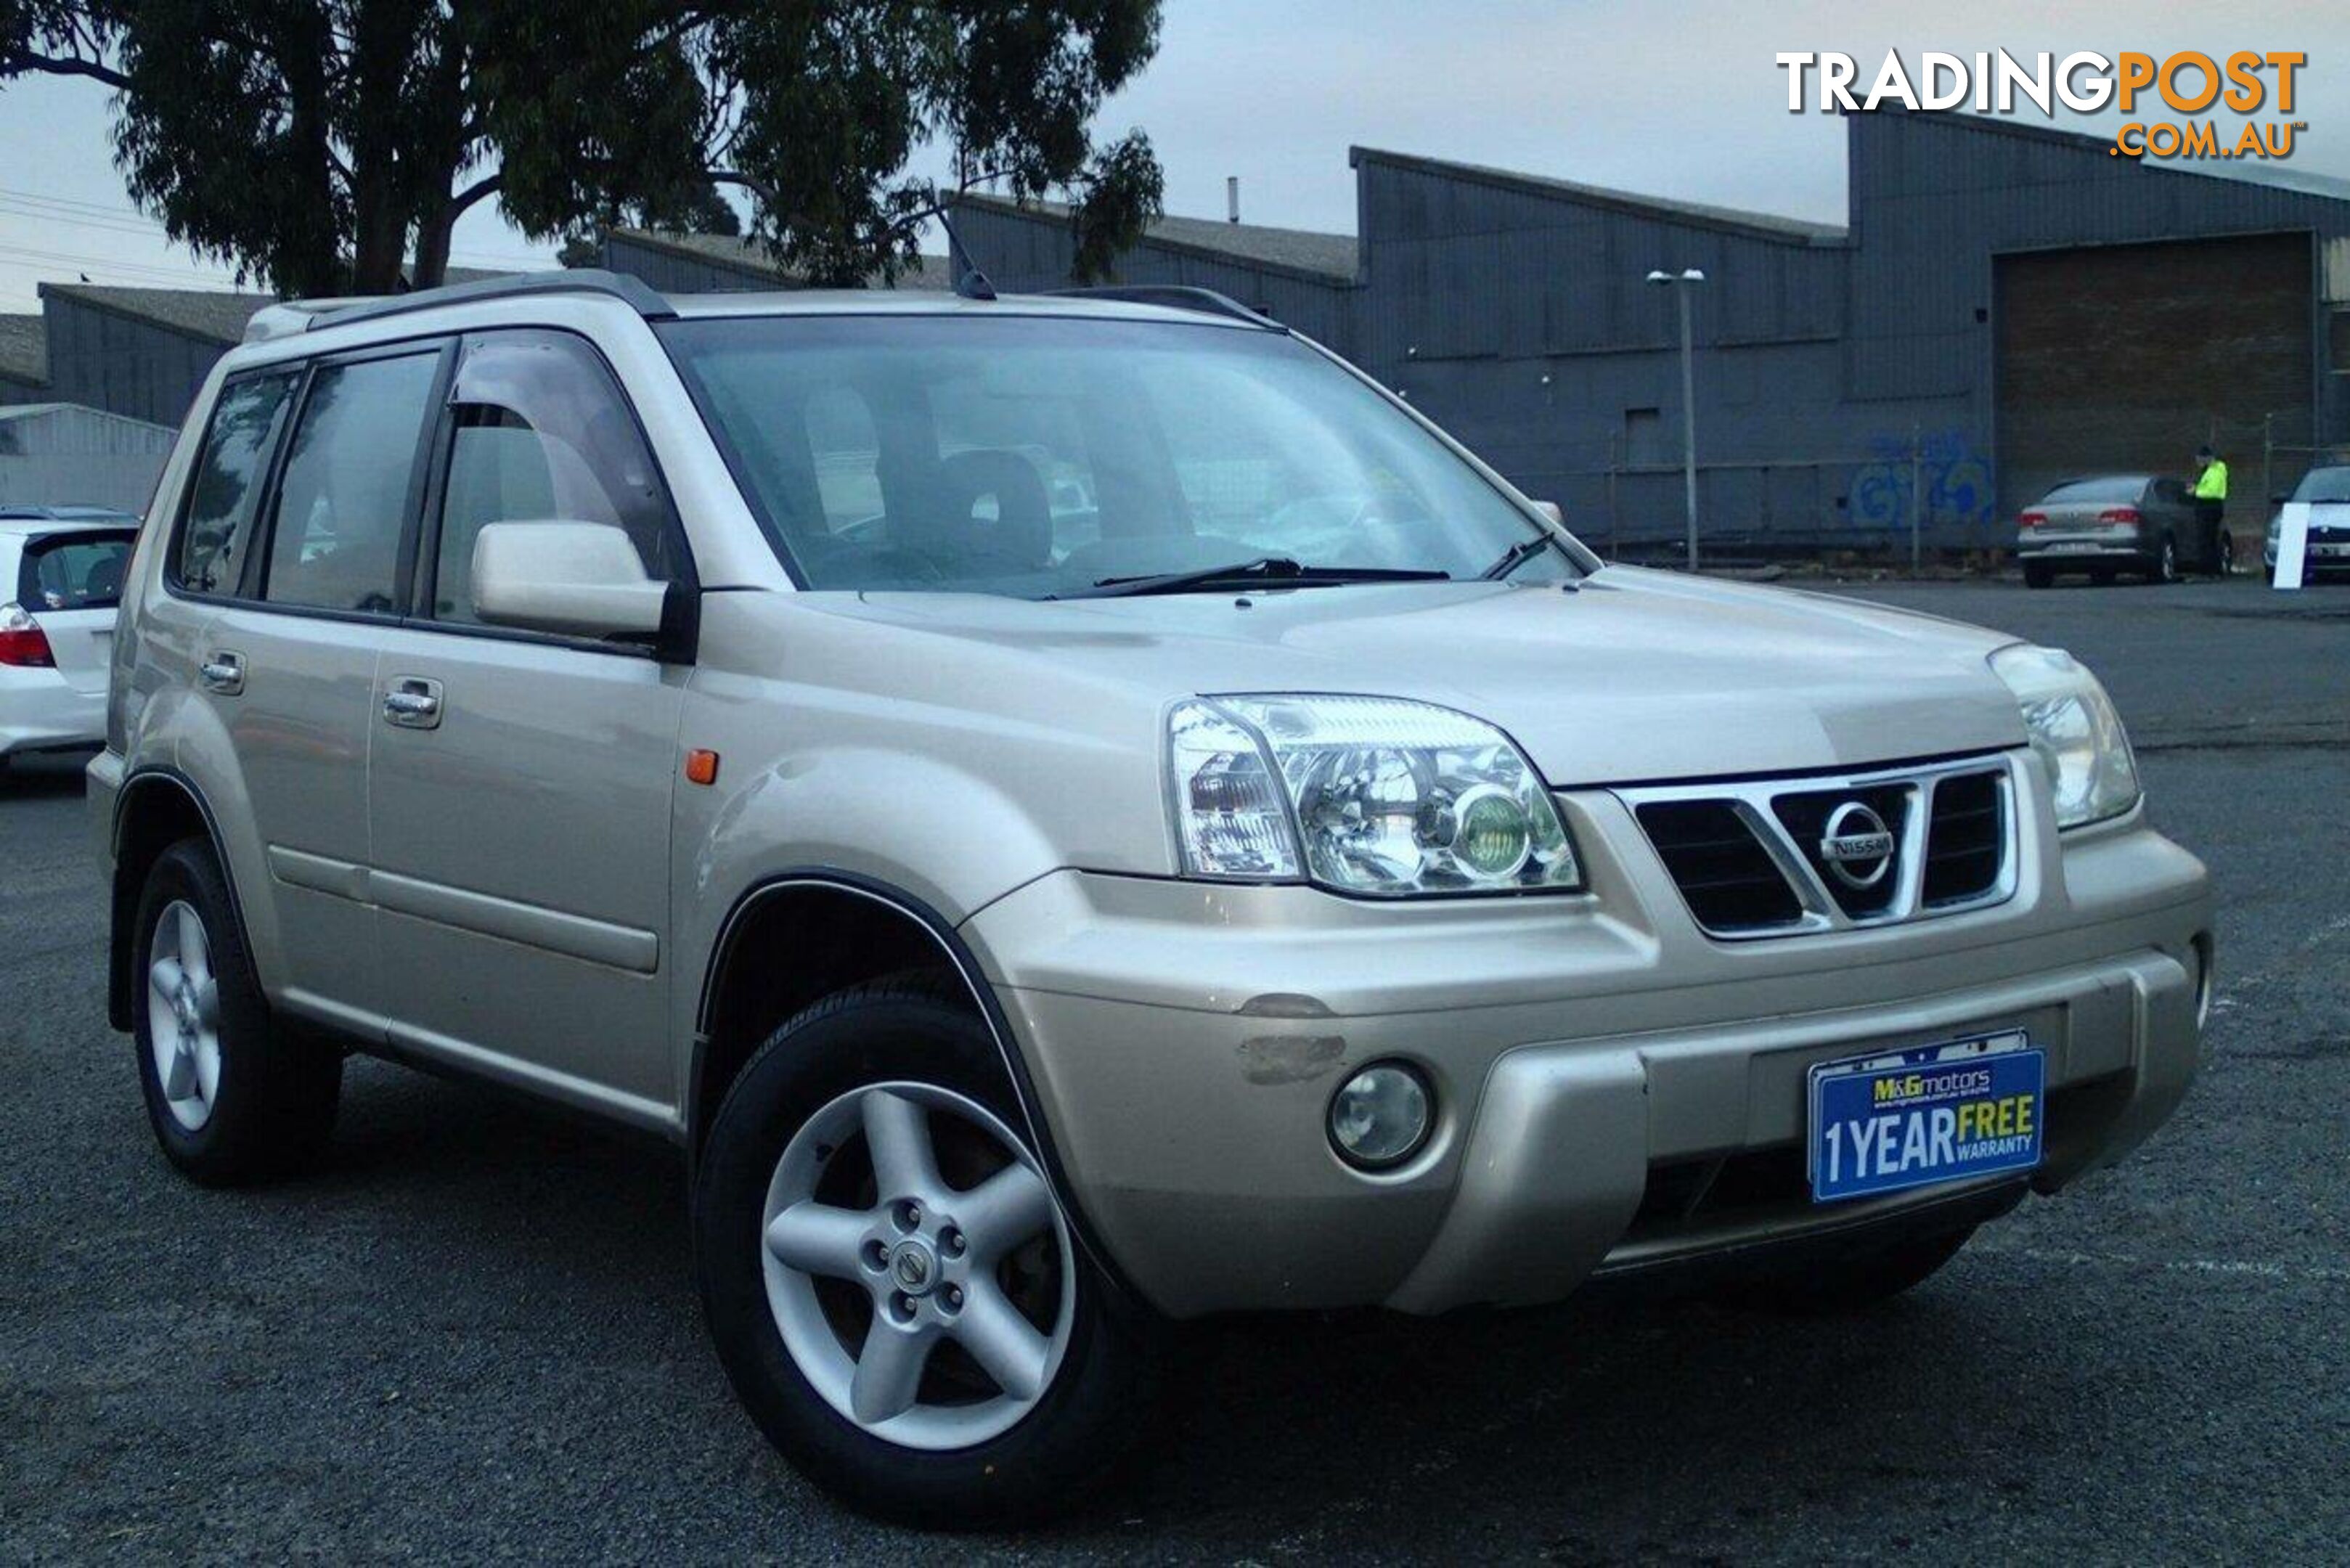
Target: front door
520 784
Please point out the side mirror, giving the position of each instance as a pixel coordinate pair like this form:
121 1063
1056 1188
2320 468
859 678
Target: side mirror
2280 498
1552 510
579 579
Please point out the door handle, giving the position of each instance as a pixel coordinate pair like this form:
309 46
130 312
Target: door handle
413 702
223 672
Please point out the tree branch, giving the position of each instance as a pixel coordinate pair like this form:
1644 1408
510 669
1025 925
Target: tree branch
487 185
61 65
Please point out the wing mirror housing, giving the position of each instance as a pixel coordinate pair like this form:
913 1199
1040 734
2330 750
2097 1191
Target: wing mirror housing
578 579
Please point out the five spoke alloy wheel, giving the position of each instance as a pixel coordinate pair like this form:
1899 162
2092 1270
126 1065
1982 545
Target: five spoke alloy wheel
932 1315
183 1014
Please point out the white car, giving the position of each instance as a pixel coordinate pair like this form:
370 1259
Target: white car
60 578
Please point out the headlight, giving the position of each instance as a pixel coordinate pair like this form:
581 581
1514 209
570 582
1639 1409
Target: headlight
2074 728
1362 794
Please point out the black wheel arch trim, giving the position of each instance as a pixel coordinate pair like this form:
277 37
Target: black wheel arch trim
118 936
974 979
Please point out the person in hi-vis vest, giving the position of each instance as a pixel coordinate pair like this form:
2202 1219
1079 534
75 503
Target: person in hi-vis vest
2210 504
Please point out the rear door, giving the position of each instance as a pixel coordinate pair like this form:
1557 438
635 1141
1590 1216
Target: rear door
287 659
69 582
521 783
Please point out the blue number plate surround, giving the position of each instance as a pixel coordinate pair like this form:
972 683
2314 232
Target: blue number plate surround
1898 1119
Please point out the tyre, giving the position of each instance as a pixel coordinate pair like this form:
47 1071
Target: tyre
2036 574
2166 562
2223 557
2101 575
1848 1284
234 1094
893 1287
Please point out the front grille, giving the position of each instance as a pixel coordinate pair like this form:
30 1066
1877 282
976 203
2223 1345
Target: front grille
1858 892
1788 856
1965 839
1731 881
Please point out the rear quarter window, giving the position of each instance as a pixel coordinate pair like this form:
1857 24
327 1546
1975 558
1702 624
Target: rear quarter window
217 533
81 570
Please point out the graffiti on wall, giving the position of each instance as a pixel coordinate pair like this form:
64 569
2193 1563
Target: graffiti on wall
1955 478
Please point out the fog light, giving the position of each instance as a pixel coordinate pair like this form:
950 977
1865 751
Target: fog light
1381 1115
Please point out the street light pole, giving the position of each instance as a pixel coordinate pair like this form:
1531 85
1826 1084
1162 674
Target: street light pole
1681 282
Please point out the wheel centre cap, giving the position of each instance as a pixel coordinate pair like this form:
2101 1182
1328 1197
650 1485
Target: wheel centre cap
913 1269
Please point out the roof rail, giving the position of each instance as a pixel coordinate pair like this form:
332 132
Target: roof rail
303 314
1174 296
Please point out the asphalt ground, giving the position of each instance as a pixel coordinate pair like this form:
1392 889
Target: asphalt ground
473 1335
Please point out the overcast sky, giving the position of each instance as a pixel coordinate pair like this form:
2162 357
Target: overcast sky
1669 99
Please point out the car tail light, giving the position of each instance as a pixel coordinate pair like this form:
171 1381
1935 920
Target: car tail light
22 641
2032 520
2120 514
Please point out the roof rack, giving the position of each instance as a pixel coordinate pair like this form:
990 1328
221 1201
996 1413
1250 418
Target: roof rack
303 314
1174 296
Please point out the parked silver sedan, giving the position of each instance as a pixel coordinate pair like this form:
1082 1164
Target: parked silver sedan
2141 524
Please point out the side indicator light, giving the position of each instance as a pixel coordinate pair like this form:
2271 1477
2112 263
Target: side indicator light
702 768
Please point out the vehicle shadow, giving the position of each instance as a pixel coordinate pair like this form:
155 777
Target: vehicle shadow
1590 1430
44 775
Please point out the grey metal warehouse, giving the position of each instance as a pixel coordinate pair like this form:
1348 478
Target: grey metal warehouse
2005 304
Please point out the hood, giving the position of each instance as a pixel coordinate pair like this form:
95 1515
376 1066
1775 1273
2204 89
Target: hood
1633 677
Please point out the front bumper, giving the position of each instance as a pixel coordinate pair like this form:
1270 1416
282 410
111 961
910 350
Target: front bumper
1596 1060
2331 554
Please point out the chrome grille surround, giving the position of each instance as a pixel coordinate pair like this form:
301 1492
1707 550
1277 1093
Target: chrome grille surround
1755 804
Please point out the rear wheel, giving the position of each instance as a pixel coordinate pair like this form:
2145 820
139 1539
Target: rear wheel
2036 574
2223 557
2166 562
234 1094
1848 1284
893 1287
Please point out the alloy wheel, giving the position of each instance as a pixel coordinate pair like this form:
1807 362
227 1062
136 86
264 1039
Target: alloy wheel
183 1014
918 1266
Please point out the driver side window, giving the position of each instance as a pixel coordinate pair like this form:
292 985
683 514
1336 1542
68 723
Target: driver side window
541 433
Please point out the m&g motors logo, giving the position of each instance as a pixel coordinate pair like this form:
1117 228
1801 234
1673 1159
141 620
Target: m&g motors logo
2223 106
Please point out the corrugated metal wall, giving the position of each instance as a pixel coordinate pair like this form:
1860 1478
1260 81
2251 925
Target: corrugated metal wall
1023 254
124 365
69 456
669 273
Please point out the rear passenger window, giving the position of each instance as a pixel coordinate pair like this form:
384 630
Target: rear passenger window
343 502
542 433
226 493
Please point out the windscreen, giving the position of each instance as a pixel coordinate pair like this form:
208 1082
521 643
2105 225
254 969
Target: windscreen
2323 484
2087 490
1039 455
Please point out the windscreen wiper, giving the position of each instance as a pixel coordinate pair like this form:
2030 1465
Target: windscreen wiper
1262 569
1517 555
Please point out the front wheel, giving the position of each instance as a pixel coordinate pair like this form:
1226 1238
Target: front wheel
894 1288
1846 1284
